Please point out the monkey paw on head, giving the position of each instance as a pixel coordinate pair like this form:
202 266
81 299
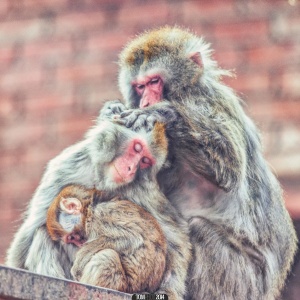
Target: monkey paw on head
139 118
111 109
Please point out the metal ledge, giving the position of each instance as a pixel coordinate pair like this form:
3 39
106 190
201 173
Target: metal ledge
21 284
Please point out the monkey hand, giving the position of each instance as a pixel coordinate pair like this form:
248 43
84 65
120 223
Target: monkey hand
146 118
111 109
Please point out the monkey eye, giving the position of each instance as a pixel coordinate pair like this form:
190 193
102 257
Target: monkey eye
138 147
140 86
154 80
145 162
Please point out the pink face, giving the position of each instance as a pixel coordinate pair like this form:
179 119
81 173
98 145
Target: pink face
137 155
74 238
150 89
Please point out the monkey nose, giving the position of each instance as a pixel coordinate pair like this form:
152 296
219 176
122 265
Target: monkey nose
132 169
144 105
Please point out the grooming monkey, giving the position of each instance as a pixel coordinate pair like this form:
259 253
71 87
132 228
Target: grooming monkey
122 246
113 159
243 238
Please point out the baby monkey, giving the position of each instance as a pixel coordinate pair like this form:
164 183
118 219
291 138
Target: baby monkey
128 245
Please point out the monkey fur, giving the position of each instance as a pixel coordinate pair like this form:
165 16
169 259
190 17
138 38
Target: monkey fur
92 163
243 238
122 246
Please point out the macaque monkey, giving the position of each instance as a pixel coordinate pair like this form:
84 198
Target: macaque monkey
114 159
243 238
122 246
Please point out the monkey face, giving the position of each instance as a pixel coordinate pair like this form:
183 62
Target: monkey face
165 63
124 168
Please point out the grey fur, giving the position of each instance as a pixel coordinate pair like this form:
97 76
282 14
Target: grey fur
244 241
85 164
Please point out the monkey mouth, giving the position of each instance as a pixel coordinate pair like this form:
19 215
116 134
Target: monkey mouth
121 179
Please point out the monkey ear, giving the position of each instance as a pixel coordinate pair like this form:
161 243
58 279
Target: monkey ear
70 205
196 58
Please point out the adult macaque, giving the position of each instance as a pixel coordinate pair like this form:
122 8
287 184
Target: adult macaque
122 246
243 238
115 159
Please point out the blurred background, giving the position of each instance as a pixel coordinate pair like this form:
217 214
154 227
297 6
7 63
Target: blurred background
58 64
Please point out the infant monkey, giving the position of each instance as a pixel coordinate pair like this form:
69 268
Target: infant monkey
129 245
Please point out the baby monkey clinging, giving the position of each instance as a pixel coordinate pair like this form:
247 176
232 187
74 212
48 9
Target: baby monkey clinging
122 246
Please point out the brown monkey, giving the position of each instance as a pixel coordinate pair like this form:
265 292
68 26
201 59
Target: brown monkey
127 243
66 216
118 161
243 238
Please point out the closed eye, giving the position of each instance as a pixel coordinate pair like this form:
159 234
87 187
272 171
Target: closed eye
140 86
154 80
145 163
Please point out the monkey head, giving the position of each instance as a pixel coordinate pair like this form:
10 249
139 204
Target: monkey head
122 155
66 215
166 63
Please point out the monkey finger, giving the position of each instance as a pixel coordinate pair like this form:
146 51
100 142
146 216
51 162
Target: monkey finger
140 122
131 119
151 120
127 112
112 108
117 108
119 121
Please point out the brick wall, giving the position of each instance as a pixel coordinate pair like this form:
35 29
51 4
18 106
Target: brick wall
57 66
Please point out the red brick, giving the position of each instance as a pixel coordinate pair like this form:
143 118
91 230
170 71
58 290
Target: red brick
247 82
267 55
6 106
207 10
20 30
4 7
47 49
107 41
291 84
79 72
75 125
74 23
6 56
22 134
21 78
56 5
48 104
241 30
228 59
285 165
140 14
283 111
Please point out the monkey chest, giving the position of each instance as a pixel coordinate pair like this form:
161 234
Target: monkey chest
193 194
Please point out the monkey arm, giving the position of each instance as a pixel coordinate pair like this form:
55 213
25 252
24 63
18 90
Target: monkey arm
212 142
71 166
49 258
207 139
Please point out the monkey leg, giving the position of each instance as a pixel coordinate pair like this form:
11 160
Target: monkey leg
105 269
226 267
